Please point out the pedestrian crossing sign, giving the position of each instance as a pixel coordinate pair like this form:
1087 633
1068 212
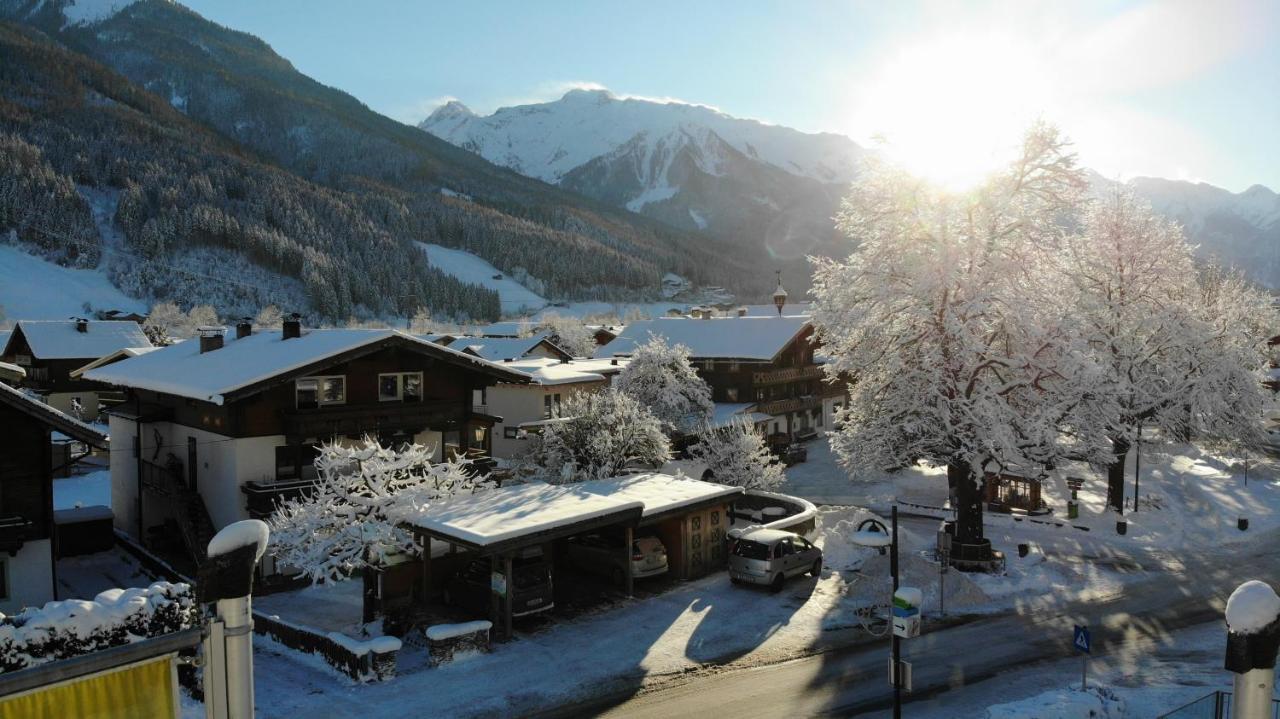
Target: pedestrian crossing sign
1082 639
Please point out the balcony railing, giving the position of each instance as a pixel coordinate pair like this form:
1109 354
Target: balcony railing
787 406
790 374
262 497
373 418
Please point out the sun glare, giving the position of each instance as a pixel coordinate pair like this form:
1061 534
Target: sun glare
952 109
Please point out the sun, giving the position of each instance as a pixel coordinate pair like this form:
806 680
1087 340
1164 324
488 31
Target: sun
953 109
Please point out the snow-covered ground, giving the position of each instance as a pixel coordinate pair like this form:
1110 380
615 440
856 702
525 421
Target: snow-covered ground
35 289
513 296
86 490
1139 683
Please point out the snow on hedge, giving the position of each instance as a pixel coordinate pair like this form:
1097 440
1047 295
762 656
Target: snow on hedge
1251 607
72 627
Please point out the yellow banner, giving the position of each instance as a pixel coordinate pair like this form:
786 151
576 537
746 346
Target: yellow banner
142 691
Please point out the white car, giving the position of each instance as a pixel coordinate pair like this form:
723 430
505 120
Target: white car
602 554
769 556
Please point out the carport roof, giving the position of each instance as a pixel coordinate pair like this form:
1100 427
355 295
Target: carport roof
511 517
662 494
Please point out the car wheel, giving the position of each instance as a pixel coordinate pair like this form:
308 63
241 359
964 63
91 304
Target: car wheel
776 585
816 569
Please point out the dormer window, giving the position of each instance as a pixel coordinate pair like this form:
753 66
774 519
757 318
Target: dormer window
312 392
400 387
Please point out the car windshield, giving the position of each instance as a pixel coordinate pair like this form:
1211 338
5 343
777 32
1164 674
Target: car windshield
751 550
530 573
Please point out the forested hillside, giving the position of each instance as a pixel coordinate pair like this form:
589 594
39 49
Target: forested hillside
411 184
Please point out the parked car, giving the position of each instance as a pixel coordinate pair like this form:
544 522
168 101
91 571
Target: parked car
768 556
602 554
795 454
530 587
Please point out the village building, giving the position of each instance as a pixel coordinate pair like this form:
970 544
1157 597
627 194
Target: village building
50 351
757 367
525 407
499 349
28 552
222 428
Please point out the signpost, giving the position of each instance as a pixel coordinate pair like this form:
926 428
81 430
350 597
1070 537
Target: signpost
1082 642
944 561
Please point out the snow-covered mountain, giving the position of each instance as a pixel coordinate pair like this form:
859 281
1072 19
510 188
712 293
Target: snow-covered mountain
772 190
769 187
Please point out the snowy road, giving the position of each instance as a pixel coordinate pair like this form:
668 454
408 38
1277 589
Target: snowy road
847 681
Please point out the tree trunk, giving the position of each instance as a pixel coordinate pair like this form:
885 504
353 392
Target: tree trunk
1115 473
968 494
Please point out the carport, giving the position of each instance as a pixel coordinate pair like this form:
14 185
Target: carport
501 523
689 516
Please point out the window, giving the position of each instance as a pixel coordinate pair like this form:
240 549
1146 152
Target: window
400 387
296 461
731 394
318 391
511 432
480 397
4 579
550 406
733 365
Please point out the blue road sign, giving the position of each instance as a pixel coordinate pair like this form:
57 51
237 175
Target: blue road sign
1082 639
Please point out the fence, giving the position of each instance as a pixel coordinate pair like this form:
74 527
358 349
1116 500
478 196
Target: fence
374 660
1212 706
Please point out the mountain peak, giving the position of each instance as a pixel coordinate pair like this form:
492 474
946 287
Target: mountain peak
598 95
451 110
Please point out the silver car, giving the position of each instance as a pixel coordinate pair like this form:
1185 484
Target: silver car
769 556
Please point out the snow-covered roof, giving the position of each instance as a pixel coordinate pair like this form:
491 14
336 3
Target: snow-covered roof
11 372
182 370
547 371
120 354
496 349
723 413
743 338
660 493
791 309
504 329
57 419
507 514
59 339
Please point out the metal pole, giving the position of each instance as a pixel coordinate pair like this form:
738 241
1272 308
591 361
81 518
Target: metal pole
897 647
237 621
1252 693
1137 465
1084 672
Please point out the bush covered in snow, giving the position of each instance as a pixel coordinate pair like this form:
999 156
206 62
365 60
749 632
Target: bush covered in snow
69 628
737 455
352 518
601 434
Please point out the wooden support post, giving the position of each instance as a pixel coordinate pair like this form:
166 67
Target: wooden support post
495 606
506 603
626 551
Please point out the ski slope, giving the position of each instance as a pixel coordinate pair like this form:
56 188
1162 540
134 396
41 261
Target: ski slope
32 288
514 297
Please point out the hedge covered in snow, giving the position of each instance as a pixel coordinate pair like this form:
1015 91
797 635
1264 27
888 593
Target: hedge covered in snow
72 627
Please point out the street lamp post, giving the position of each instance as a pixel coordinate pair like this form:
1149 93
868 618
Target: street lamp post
897 641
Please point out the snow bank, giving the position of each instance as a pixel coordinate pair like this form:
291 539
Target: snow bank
68 628
379 645
1251 607
240 534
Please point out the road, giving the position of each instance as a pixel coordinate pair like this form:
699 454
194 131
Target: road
852 680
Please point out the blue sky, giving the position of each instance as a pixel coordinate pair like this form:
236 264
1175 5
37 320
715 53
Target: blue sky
1188 90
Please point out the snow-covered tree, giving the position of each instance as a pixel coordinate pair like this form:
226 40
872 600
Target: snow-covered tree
352 519
599 435
662 379
1173 355
269 317
167 322
736 454
946 317
568 333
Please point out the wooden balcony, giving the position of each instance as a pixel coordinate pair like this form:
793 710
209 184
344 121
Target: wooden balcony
374 418
790 374
261 498
787 406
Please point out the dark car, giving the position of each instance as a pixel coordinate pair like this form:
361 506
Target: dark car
530 587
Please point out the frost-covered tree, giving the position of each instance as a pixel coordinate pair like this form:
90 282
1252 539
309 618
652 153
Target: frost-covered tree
165 323
946 317
568 333
599 434
661 377
1174 354
736 454
269 317
352 519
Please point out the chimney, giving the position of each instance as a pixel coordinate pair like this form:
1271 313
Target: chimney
742 311
244 328
210 338
82 325
292 327
613 363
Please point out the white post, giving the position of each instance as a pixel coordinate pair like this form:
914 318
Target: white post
1253 638
237 617
226 579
